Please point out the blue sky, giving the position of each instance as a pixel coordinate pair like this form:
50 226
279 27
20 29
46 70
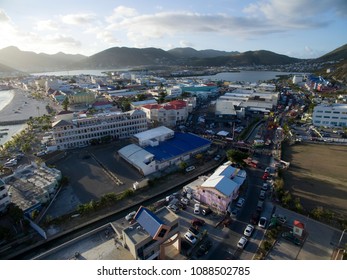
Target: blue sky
298 28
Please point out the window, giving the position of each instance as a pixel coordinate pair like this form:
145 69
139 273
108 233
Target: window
327 112
326 117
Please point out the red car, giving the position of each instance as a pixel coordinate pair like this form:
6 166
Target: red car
265 176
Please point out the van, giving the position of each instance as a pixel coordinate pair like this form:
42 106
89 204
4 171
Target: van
260 205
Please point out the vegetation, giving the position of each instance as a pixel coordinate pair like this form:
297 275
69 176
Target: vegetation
236 156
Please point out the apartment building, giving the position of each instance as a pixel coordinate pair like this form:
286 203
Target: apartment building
332 115
168 114
5 200
83 130
153 234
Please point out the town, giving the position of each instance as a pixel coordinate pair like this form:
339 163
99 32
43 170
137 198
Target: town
132 165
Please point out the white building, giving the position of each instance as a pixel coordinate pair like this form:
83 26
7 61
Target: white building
169 114
5 200
160 148
333 115
83 130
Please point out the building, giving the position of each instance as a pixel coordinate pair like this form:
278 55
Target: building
84 130
32 186
221 188
160 148
82 97
152 234
332 115
169 114
5 200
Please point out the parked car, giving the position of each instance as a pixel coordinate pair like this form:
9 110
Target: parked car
185 200
234 212
242 242
206 211
248 230
197 222
280 218
262 195
260 205
265 176
190 237
130 216
265 187
11 162
262 222
217 157
290 237
255 218
267 169
190 168
204 248
173 207
240 202
194 231
197 208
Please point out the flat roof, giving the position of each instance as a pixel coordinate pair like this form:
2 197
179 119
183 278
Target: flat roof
152 133
181 143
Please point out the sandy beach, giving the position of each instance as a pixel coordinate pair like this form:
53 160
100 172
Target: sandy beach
18 108
22 107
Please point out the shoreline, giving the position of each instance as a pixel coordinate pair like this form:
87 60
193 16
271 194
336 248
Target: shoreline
22 107
16 112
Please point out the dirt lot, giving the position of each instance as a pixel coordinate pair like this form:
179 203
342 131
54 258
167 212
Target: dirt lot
318 175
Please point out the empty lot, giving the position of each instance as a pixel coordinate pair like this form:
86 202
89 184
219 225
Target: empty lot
318 175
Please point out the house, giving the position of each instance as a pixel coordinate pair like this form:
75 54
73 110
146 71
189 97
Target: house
152 234
222 187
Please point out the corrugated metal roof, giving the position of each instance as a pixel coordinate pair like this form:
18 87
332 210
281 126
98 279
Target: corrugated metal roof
148 220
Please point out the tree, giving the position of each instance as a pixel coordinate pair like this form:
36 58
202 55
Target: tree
236 156
65 104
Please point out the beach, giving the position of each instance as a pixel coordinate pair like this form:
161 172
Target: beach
17 108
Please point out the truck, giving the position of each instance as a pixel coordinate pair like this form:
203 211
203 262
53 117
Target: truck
141 184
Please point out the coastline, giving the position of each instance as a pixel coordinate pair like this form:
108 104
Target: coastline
22 107
18 109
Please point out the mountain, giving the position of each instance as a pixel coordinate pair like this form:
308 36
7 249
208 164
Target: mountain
338 54
123 57
190 53
6 71
249 58
119 57
335 64
33 62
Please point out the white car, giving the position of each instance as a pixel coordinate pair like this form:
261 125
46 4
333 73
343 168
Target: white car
240 202
242 242
185 200
130 216
248 230
190 237
11 162
197 208
190 168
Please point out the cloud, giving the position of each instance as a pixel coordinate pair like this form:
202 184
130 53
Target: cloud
121 12
46 25
298 14
185 44
4 17
78 19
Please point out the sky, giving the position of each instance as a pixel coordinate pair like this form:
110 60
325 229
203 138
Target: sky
297 28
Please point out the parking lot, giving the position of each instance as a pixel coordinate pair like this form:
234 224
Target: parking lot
92 172
319 243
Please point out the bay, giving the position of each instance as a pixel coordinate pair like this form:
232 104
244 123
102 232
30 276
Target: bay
245 76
